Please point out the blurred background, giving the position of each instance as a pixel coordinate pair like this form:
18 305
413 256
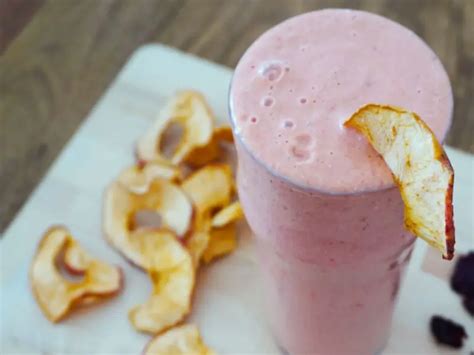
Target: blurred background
58 56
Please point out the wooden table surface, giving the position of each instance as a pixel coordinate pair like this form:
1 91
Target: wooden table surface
60 55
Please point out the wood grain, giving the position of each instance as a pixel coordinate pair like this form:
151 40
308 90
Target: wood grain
54 71
14 15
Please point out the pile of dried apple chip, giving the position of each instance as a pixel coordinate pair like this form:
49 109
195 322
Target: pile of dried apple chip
191 190
185 182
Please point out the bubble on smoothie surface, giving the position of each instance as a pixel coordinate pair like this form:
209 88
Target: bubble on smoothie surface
267 101
303 140
288 124
300 154
271 70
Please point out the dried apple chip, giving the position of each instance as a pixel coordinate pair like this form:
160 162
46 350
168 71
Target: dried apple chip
121 205
205 154
210 188
171 271
182 340
420 168
55 294
138 178
202 155
222 241
189 110
223 134
228 214
222 237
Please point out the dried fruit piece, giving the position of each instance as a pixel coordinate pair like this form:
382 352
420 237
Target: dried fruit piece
189 110
447 332
228 214
420 168
222 241
171 271
197 243
222 237
182 340
210 189
203 155
223 134
56 295
462 279
468 304
138 178
121 205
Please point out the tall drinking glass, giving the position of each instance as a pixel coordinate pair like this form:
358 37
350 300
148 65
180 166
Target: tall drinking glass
327 218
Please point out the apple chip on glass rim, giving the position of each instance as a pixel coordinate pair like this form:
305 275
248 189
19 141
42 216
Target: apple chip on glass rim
419 166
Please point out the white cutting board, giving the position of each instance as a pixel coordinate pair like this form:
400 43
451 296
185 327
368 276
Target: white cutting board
227 306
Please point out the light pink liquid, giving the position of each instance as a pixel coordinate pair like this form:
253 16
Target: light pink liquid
328 221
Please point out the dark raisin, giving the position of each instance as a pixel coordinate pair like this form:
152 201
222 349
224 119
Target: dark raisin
447 332
469 305
462 280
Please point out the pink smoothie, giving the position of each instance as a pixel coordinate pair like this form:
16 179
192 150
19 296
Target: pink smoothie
327 219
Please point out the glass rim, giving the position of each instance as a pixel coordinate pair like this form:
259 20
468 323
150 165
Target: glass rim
308 189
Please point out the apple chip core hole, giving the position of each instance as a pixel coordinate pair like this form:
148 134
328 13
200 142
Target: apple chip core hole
65 272
170 139
146 219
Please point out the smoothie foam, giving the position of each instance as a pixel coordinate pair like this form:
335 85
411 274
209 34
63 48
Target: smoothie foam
297 84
